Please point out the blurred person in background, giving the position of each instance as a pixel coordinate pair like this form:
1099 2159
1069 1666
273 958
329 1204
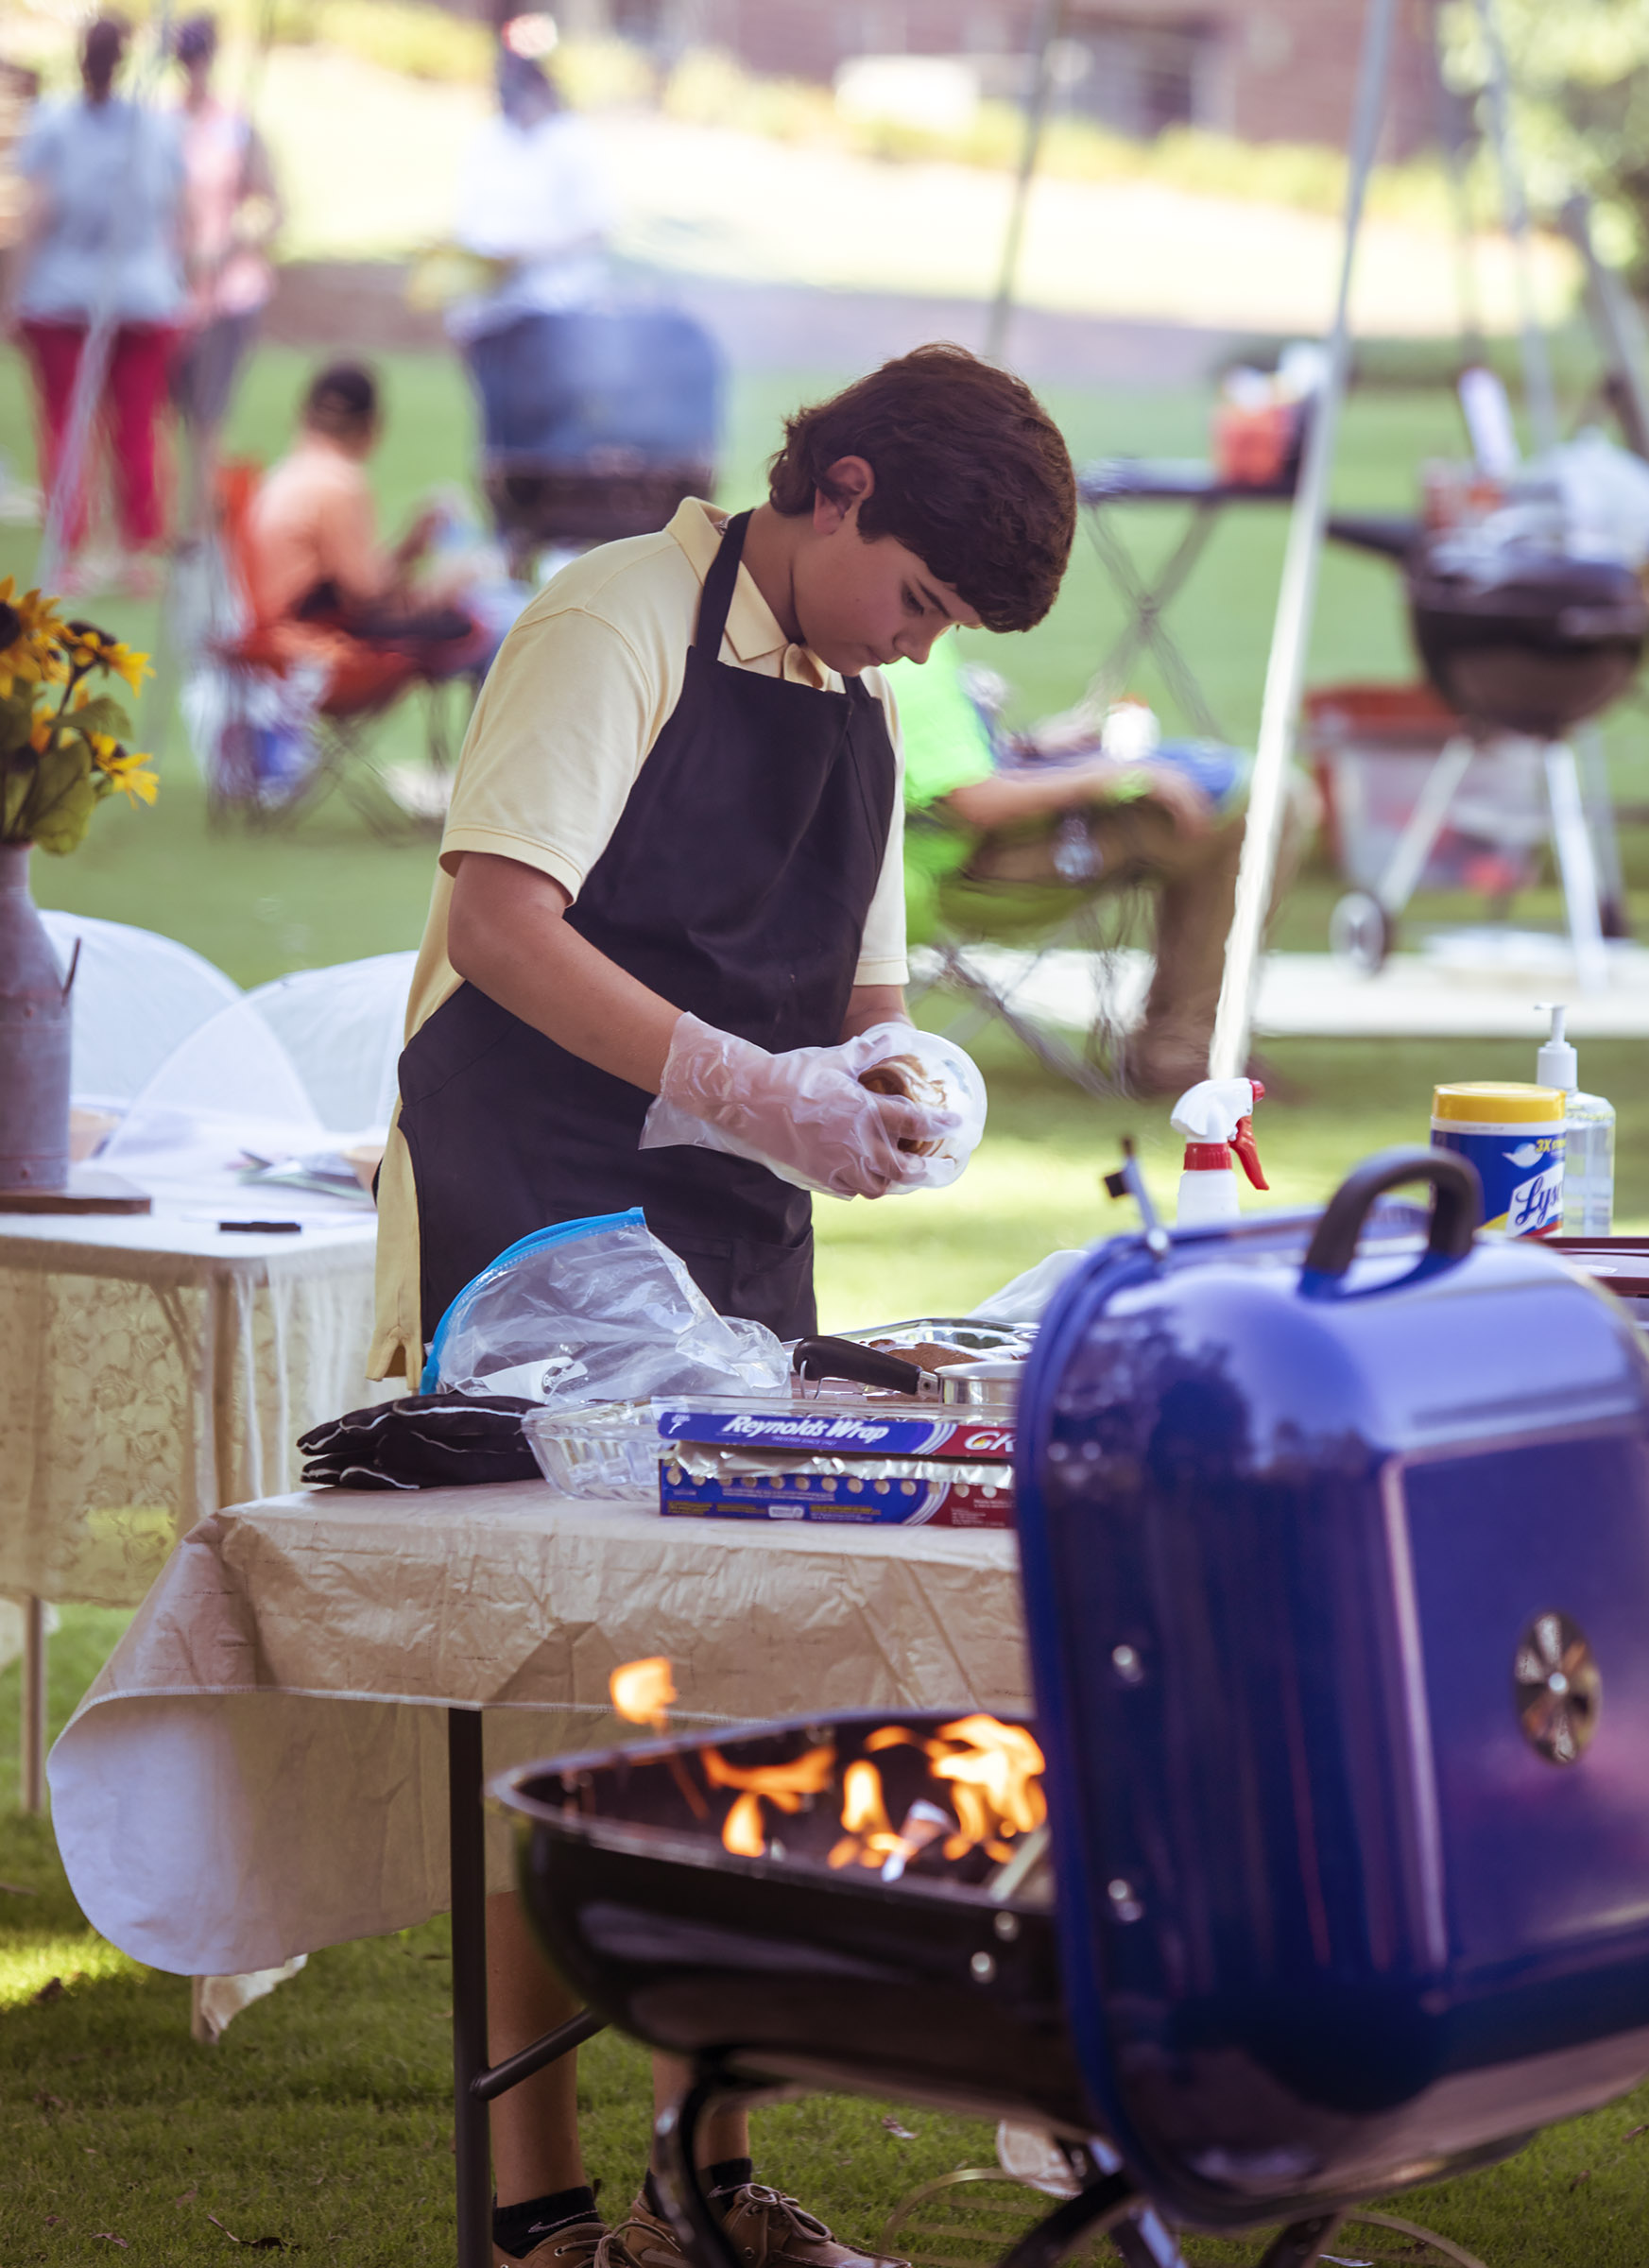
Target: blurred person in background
534 207
231 212
101 241
1054 810
312 551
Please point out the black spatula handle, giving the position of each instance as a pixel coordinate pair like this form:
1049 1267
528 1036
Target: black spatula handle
860 1365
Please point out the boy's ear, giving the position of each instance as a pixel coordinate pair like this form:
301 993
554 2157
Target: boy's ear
838 496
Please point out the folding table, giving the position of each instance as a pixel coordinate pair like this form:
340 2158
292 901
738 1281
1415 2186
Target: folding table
287 1749
1186 481
156 1367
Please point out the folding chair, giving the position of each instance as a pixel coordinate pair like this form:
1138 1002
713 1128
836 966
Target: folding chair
1039 959
290 713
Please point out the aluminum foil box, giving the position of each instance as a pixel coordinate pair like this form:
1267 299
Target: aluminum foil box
862 1462
973 1495
836 1429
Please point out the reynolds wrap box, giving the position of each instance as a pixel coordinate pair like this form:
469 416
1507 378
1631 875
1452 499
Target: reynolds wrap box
859 1463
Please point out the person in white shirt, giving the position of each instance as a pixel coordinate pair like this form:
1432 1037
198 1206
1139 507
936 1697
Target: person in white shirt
534 204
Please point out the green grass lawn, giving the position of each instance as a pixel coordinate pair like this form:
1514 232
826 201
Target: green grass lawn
323 2119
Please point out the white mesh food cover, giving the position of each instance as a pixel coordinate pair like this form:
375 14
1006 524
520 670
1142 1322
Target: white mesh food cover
341 1030
228 1092
137 996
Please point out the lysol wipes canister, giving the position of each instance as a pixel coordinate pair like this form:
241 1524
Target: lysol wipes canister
1513 1133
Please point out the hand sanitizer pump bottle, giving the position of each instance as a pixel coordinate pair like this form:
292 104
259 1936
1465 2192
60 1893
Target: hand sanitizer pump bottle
1589 1162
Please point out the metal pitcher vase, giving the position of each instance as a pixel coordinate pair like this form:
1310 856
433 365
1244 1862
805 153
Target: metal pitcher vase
34 1037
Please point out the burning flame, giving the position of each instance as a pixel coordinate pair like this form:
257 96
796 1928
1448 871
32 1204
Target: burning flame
784 1786
742 1830
992 1771
999 1764
643 1691
864 1812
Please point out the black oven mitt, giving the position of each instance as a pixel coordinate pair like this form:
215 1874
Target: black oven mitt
423 1441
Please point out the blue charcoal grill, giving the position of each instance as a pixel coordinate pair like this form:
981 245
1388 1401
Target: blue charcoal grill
1335 1556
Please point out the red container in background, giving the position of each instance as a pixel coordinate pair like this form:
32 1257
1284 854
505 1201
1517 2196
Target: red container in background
1371 748
1256 448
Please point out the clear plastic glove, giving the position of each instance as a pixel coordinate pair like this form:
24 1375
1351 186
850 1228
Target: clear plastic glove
803 1113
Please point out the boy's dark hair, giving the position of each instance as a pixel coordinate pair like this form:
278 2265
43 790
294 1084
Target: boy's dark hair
342 399
972 475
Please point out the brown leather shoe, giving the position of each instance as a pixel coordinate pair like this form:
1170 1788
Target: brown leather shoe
766 2229
575 2244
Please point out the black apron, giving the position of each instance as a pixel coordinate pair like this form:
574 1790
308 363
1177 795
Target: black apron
736 885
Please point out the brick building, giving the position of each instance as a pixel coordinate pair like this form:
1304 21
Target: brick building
1267 70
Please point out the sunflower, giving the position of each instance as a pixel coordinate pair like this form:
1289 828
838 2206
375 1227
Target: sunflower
29 640
88 647
125 662
123 768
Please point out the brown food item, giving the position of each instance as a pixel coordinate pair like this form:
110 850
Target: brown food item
905 1076
927 1354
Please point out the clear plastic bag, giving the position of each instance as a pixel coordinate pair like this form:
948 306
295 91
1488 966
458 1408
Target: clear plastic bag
594 1310
890 1058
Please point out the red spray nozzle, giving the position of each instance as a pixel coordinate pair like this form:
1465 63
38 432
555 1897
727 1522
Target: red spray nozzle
1243 1146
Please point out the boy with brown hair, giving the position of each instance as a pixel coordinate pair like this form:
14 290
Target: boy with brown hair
673 866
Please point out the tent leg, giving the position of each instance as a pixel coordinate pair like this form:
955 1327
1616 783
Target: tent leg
1285 669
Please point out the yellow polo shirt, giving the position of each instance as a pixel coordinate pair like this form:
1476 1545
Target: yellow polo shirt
576 700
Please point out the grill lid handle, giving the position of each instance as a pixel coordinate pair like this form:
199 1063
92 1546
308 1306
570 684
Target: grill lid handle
1456 1210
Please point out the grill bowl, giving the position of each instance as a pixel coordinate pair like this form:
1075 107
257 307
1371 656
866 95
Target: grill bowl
926 1987
1548 643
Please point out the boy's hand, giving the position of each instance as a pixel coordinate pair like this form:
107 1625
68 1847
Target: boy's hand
804 1108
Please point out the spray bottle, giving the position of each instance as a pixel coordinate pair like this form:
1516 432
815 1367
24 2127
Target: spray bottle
1217 1120
1589 1162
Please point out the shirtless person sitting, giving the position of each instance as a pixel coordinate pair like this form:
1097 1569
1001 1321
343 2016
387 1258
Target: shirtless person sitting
312 542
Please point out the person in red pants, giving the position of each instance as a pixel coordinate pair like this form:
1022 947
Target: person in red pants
100 263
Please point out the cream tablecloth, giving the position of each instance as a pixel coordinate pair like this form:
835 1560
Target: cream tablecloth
153 1369
260 1768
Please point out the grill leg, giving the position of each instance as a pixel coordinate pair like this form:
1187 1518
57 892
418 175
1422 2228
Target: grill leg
1090 2212
469 1897
692 2215
1300 2244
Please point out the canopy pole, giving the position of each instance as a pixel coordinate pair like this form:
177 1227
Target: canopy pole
1291 632
1538 391
1050 18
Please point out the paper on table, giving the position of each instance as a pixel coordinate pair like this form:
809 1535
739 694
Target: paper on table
260 1768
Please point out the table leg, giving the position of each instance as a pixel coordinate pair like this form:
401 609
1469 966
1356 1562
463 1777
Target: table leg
1147 601
469 1897
32 1776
